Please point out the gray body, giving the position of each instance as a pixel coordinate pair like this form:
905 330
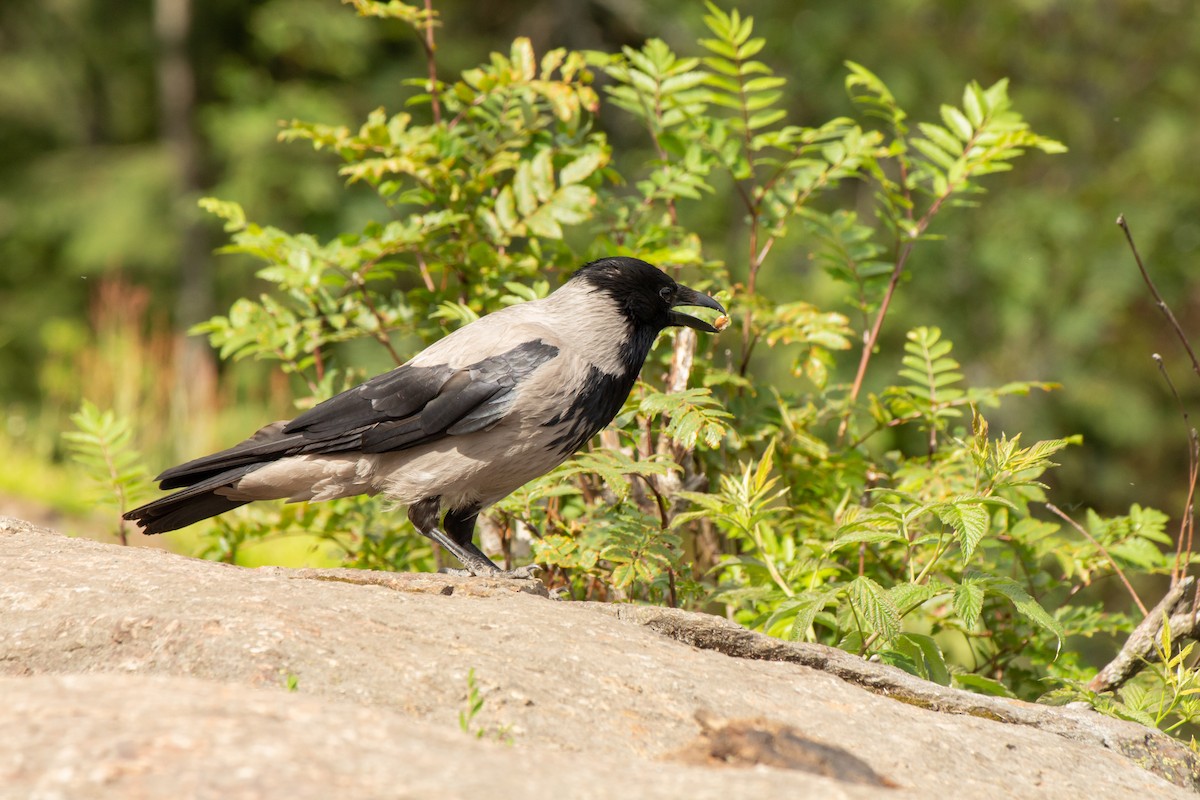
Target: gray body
468 420
462 466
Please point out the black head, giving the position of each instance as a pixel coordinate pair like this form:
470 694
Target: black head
647 295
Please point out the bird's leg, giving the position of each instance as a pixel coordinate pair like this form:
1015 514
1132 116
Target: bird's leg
460 527
424 516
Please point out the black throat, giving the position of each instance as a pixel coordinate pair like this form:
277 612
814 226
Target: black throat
603 393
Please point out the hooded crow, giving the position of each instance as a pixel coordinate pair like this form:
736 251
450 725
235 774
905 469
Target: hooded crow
467 421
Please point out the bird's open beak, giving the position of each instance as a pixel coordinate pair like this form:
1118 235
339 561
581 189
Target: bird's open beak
690 297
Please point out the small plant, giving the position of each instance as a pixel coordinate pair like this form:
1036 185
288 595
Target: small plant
1164 694
474 706
103 447
1173 699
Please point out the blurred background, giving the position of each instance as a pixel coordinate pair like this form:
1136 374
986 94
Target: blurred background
116 118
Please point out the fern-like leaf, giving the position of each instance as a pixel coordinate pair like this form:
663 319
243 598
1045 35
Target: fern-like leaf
693 415
102 445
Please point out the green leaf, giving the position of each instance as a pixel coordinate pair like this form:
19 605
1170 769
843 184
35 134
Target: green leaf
803 609
506 210
968 602
542 175
909 596
973 104
582 167
859 534
102 446
762 119
983 685
693 415
524 191
231 212
970 521
923 653
943 139
957 122
1025 604
874 607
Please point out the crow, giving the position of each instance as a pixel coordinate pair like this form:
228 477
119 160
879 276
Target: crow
461 425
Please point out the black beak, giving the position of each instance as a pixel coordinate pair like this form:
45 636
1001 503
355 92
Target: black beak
690 297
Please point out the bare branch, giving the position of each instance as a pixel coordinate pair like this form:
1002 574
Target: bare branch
1142 645
1183 553
1162 304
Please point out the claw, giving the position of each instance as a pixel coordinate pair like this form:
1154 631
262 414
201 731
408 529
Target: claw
525 573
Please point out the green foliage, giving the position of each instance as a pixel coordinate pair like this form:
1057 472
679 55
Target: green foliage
881 516
102 446
1166 695
474 706
692 415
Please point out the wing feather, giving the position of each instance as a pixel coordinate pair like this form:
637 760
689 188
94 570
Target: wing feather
408 406
412 405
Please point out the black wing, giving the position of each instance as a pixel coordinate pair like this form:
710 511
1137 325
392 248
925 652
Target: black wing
413 405
393 411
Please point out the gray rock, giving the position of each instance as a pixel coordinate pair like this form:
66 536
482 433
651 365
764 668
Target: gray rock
131 672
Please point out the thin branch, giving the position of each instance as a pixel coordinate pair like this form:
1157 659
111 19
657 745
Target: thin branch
380 332
660 502
425 276
1182 553
1120 573
1162 304
1187 524
431 63
893 282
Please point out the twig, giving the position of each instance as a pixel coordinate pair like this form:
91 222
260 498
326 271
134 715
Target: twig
425 276
380 332
1187 527
1162 304
431 63
1183 552
660 502
1120 573
873 335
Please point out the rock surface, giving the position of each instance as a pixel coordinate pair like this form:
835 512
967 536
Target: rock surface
136 673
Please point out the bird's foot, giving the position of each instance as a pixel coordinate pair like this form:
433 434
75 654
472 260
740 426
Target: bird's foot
525 573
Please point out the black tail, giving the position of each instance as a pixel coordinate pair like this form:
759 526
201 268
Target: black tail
200 479
267 444
197 502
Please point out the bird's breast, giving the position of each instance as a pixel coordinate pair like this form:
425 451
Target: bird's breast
584 412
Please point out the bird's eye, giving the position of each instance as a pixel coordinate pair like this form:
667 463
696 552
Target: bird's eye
665 293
